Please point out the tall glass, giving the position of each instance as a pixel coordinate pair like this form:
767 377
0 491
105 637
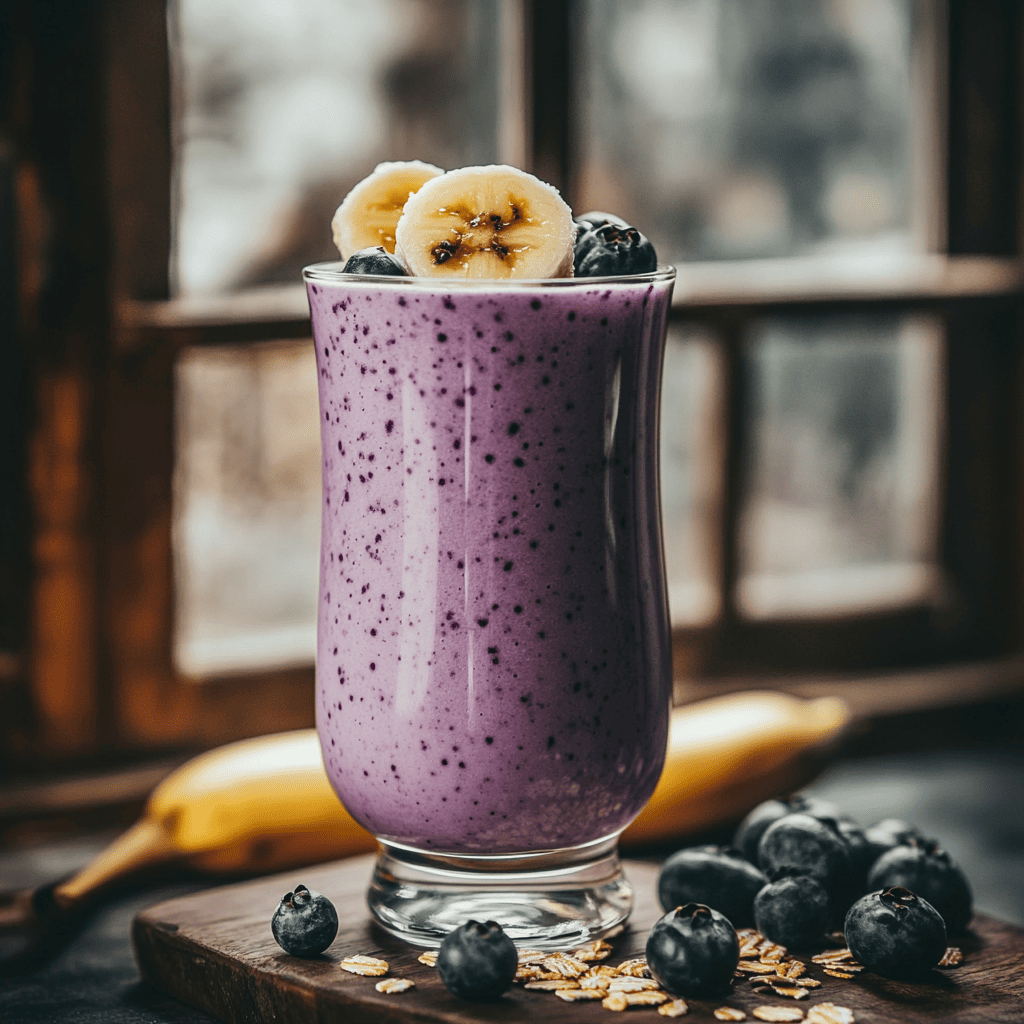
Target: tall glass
494 666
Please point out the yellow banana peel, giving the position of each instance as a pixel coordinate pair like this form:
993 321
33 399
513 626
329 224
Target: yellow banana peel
265 804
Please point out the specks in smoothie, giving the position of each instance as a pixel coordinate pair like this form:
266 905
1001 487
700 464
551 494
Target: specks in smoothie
442 337
488 458
389 426
571 317
535 304
482 622
513 429
507 567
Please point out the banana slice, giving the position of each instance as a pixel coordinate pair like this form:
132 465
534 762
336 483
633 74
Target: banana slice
486 222
369 213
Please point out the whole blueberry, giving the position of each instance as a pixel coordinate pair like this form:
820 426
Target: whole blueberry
693 950
305 922
716 876
613 248
753 826
374 260
477 961
891 832
793 912
895 933
801 845
933 875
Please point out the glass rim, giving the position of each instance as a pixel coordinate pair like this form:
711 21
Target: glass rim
332 273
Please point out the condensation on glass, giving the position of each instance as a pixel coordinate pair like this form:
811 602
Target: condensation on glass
842 477
691 473
246 508
743 130
283 105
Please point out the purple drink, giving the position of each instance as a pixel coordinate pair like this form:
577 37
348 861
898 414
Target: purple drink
494 668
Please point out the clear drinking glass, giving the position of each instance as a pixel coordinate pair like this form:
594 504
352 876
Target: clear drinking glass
494 665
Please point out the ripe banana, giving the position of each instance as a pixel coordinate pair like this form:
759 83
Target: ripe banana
265 804
486 222
369 213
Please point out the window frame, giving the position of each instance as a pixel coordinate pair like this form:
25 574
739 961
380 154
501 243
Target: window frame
95 673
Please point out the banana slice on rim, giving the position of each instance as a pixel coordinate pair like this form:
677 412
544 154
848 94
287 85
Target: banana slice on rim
486 222
369 213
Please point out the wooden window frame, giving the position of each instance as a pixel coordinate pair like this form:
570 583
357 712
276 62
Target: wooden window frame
86 667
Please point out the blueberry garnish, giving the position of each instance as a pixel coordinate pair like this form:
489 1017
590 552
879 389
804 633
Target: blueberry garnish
932 874
793 912
693 950
753 826
607 245
477 961
716 876
889 833
895 933
374 260
305 922
801 845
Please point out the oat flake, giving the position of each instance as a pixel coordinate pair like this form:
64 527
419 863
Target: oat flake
366 966
829 1013
778 1013
392 986
676 1008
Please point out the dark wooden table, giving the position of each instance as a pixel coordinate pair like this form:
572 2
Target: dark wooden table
215 951
970 799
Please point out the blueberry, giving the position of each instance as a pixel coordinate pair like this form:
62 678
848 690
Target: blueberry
801 845
854 885
374 260
305 922
932 874
793 912
752 827
477 961
693 950
611 247
889 833
895 933
714 875
588 221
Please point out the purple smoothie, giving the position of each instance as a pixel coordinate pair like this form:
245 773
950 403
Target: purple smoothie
494 668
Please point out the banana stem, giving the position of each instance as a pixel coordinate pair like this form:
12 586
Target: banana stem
146 842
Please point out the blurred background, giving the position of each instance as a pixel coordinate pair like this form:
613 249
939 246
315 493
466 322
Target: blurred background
838 183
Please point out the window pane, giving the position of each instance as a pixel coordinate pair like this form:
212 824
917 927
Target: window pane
729 130
285 104
841 503
246 508
691 482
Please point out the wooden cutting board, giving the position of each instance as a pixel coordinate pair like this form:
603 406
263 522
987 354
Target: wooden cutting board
215 951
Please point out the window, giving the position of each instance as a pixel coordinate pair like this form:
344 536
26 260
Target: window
841 443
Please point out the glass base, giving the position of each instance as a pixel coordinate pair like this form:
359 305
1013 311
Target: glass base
561 899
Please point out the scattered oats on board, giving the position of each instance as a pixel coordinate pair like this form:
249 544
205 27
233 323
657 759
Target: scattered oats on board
367 966
833 973
576 995
792 969
614 933
596 950
530 972
772 954
565 965
753 967
676 1008
627 984
778 1013
951 958
728 1013
617 1001
392 986
646 998
635 968
429 958
790 991
532 956
551 986
829 1013
832 956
